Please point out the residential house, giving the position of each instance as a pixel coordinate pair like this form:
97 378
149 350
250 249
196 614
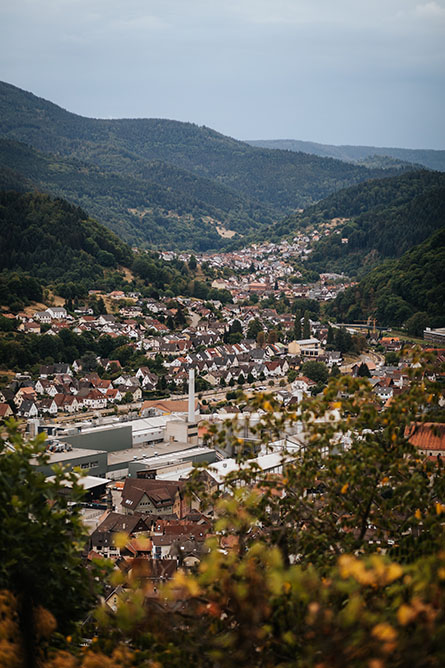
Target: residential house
133 390
44 317
160 497
303 383
5 411
333 357
113 395
57 312
28 409
47 405
30 327
92 399
429 439
24 393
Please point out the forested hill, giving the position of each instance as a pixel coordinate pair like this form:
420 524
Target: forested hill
54 240
49 243
384 218
432 159
262 182
46 241
410 288
141 211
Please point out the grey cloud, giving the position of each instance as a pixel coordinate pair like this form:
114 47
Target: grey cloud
355 71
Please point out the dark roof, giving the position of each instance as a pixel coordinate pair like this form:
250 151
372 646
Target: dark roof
160 492
128 523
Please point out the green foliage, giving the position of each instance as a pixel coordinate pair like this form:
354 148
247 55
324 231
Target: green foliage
18 289
398 289
23 351
338 561
234 334
46 240
297 332
7 325
335 511
306 326
158 181
41 535
391 358
385 218
363 371
417 323
342 340
316 371
301 305
50 242
292 374
140 210
335 371
255 327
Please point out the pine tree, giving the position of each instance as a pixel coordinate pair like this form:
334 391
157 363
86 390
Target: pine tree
330 337
363 371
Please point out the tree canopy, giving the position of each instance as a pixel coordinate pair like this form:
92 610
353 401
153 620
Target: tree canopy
336 560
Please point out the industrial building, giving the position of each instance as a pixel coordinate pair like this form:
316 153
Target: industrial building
109 445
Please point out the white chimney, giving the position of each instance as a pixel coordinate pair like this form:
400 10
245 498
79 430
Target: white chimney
191 415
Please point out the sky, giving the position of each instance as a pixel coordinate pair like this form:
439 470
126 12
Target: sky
368 72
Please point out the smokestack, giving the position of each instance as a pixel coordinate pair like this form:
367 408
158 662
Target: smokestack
33 427
191 415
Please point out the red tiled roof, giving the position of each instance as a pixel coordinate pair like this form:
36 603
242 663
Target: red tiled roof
427 435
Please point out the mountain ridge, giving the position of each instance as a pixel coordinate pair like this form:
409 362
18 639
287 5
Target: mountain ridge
263 184
430 158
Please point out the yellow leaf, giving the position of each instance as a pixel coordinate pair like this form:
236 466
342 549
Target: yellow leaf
121 539
384 632
405 614
394 572
193 587
439 508
418 514
345 487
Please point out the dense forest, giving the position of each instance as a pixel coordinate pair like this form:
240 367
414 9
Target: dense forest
383 219
407 290
164 171
48 242
368 155
141 211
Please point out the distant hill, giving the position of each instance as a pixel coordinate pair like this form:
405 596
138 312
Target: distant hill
384 218
140 211
161 177
397 289
360 154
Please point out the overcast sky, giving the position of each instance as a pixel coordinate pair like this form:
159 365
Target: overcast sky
332 71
